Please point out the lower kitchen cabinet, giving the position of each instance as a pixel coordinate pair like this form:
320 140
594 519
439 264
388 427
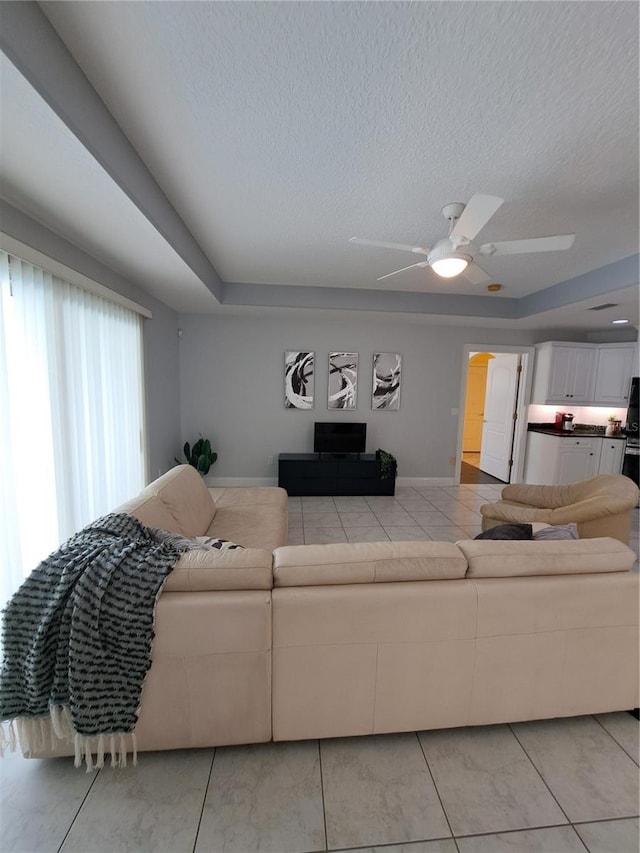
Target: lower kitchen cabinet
557 459
611 456
578 459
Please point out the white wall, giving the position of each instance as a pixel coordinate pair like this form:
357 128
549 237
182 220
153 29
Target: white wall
231 386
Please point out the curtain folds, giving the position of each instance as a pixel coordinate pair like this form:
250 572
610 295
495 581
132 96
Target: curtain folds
71 413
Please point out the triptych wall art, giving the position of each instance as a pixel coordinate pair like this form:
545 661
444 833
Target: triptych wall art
299 374
299 380
387 376
343 380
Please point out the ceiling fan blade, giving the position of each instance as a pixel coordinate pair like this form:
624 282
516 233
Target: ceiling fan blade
477 212
475 274
402 246
535 244
411 266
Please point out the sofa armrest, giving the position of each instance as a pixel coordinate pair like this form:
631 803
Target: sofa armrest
585 510
540 497
509 513
366 562
211 570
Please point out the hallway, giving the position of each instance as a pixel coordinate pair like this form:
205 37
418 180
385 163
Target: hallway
471 473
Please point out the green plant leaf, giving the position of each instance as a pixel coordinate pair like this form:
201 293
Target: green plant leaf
200 456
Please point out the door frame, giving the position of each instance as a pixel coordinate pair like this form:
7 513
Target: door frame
522 401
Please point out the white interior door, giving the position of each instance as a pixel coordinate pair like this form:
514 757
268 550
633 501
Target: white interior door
499 407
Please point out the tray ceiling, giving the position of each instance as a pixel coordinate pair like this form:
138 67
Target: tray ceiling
276 131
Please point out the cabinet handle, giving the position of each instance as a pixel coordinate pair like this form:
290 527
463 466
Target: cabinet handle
591 454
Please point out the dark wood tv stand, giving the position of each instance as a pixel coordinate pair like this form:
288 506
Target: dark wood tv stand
332 474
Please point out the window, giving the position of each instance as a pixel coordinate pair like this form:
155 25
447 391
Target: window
71 412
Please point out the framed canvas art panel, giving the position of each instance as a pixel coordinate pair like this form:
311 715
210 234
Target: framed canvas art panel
299 377
343 380
387 379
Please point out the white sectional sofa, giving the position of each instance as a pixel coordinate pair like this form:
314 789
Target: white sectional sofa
290 642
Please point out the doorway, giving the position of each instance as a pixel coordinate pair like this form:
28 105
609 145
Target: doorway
495 389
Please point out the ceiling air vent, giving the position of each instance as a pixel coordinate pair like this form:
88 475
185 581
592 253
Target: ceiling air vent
603 306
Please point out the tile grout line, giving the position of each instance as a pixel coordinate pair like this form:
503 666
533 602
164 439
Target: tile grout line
544 781
435 787
324 810
386 845
615 740
75 817
526 829
204 800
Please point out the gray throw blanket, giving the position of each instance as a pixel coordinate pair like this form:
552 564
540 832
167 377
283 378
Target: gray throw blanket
77 638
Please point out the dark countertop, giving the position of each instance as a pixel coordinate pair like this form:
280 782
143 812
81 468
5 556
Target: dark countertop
578 432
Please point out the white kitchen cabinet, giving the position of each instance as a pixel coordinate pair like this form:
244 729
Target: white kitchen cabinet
564 373
611 455
578 459
615 364
554 459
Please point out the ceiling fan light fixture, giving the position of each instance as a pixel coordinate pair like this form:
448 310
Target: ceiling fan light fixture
450 266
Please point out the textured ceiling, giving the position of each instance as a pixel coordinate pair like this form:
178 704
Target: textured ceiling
81 201
279 130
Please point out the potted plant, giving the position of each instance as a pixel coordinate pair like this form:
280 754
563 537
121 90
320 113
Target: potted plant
200 456
614 426
388 464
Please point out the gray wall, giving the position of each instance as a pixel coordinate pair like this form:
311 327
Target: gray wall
162 376
231 386
160 333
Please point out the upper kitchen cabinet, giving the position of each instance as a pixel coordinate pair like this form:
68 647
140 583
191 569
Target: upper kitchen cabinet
564 373
614 368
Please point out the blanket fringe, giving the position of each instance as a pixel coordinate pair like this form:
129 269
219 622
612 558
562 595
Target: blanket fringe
34 735
8 738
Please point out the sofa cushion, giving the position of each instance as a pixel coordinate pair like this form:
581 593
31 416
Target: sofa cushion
250 495
211 570
186 497
150 511
490 559
366 562
253 525
507 531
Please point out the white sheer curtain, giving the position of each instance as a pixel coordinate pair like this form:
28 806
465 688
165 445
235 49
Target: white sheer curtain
71 413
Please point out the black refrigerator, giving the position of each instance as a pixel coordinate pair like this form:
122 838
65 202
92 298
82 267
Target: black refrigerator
632 449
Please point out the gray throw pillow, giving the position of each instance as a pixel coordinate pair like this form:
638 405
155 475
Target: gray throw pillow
558 531
507 531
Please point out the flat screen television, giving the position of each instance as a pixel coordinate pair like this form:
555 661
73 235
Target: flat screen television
329 437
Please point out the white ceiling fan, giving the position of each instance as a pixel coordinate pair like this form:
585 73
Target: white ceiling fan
446 258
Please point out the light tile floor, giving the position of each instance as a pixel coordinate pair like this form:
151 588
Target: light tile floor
553 786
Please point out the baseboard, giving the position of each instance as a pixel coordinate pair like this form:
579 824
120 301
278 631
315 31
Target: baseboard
402 482
423 482
233 482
